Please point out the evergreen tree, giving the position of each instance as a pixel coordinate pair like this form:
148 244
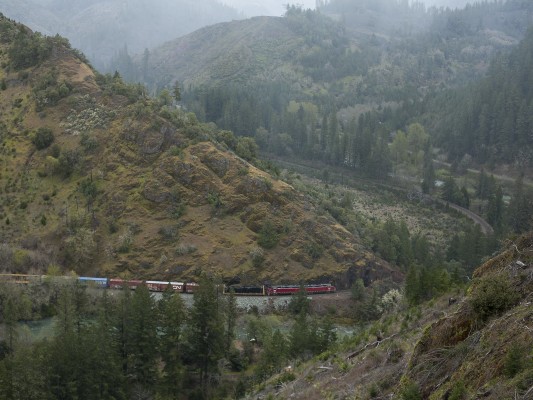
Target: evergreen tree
206 330
520 208
495 209
143 339
299 335
230 321
412 285
172 315
428 172
299 303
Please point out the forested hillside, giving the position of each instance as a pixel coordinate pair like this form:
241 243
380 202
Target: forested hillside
376 103
492 120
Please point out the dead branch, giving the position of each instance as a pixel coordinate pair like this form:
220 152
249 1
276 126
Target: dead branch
369 346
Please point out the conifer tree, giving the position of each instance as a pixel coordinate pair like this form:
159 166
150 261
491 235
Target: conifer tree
172 315
205 330
143 339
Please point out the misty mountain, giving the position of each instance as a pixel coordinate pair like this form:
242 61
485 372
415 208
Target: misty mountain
252 8
278 78
100 28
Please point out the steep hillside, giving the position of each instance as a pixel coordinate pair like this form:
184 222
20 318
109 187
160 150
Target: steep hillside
467 347
99 179
101 28
306 47
256 49
497 112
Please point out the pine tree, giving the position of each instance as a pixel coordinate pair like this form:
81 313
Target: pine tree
143 339
205 330
230 321
172 316
495 209
412 285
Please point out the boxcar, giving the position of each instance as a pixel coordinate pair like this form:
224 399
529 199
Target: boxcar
156 286
116 283
95 282
190 287
178 286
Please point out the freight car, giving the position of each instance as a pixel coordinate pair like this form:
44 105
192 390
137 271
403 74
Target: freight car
245 290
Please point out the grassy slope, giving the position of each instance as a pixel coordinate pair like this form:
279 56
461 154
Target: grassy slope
143 167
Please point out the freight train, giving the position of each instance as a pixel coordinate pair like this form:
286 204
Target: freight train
181 287
279 290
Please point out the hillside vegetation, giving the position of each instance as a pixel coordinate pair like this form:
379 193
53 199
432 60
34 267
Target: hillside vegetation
389 101
100 179
478 347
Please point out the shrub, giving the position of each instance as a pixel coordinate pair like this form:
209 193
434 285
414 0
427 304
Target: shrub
88 143
169 232
43 138
513 362
88 188
268 237
458 392
492 296
410 392
67 161
184 249
29 49
258 256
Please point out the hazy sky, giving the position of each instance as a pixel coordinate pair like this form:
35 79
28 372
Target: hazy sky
265 7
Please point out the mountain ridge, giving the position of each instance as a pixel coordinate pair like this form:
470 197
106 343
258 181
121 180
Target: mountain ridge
101 179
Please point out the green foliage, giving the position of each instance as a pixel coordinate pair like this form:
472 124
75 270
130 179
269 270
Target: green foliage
268 236
477 120
458 392
514 361
258 256
88 188
299 303
314 250
47 90
67 163
410 391
88 142
206 332
43 138
172 319
492 295
29 49
246 148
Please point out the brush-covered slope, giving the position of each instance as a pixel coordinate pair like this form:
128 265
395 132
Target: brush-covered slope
255 49
97 178
479 347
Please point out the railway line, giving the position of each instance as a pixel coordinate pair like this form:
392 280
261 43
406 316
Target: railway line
180 287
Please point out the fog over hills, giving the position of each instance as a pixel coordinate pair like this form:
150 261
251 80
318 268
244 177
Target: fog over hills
252 8
101 28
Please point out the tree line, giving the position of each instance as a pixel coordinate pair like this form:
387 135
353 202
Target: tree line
125 344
